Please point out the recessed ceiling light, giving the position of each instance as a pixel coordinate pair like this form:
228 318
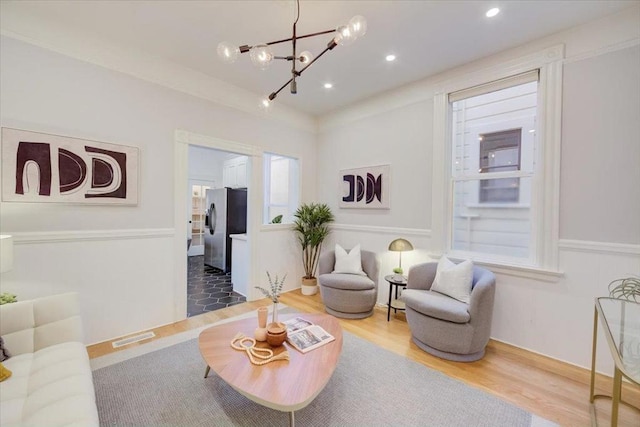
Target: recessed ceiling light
328 85
390 58
492 12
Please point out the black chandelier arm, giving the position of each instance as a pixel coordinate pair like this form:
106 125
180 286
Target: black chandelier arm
246 48
301 37
329 47
274 94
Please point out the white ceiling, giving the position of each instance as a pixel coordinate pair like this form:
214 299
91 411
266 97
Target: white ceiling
428 37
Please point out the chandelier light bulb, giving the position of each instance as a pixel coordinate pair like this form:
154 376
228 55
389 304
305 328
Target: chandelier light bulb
358 26
265 104
261 56
344 36
306 57
228 52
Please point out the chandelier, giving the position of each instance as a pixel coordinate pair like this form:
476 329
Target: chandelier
262 56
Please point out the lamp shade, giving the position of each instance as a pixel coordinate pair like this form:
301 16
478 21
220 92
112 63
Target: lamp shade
6 253
400 245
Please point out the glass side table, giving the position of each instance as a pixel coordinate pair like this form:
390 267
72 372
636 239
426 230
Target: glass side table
620 321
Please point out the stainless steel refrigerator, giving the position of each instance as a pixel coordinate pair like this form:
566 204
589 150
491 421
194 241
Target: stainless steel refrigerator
226 214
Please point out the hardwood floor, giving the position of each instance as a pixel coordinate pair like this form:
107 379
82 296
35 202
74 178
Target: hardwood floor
549 388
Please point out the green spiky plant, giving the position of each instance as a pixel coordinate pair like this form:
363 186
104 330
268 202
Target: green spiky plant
312 227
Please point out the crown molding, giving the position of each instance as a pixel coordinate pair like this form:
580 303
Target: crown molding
607 34
626 44
87 47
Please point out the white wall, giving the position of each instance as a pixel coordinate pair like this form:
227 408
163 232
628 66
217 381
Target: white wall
600 225
120 259
602 124
206 164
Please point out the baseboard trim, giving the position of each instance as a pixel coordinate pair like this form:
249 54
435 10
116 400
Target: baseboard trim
90 235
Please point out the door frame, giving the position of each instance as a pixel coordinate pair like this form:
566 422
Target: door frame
182 140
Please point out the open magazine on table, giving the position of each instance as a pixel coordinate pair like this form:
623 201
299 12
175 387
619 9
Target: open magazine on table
306 336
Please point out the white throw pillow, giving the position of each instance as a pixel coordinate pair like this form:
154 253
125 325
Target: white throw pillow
348 263
454 280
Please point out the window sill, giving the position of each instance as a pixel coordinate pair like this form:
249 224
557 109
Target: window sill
276 227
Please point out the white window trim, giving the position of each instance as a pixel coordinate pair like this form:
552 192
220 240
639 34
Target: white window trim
295 184
546 219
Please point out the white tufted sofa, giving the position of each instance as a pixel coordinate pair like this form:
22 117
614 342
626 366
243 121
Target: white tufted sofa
51 384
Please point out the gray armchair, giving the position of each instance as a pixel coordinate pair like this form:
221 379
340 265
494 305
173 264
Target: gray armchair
446 327
349 296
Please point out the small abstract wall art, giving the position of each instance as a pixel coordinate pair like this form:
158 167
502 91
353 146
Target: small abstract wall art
38 167
365 187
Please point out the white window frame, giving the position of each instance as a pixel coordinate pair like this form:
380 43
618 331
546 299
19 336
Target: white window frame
294 188
545 196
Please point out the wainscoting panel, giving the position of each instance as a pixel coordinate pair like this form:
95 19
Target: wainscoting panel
125 278
550 317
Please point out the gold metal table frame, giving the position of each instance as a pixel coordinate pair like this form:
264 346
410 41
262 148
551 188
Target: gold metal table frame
620 321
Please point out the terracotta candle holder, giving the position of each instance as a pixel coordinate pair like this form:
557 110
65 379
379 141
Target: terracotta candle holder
276 334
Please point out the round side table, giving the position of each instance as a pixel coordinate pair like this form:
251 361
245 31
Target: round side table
395 281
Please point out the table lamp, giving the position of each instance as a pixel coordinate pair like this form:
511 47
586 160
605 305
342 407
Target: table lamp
400 245
6 253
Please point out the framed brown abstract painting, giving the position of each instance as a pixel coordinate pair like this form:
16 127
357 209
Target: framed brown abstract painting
365 188
38 167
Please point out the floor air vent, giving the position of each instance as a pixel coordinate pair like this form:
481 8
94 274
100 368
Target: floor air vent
130 340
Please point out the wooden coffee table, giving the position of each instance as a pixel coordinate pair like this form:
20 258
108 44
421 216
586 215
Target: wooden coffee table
283 385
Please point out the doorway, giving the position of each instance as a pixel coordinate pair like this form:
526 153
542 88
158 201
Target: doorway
213 175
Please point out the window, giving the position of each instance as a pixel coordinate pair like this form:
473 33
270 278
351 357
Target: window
280 188
496 165
491 214
500 152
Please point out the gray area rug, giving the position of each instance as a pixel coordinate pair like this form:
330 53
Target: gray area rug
370 387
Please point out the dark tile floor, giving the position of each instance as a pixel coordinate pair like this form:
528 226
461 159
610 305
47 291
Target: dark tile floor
208 288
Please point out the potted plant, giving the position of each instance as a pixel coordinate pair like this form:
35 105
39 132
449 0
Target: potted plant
273 293
311 225
7 298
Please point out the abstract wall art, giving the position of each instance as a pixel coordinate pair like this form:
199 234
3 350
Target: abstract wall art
38 167
365 188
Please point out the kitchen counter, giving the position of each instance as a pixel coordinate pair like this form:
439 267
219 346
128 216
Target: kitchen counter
240 264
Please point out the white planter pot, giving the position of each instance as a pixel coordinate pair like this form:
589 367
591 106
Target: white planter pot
309 290
309 286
